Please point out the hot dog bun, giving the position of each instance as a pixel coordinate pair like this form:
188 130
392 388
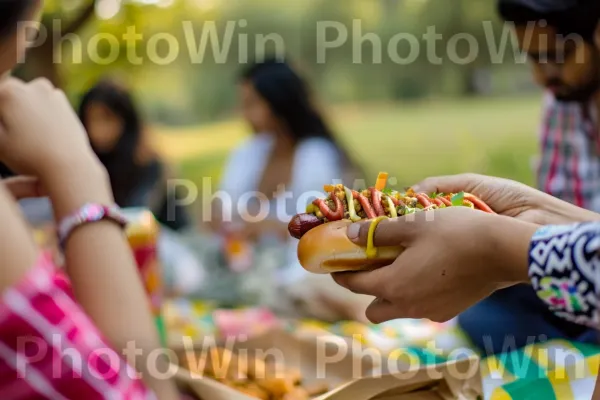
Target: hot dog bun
326 249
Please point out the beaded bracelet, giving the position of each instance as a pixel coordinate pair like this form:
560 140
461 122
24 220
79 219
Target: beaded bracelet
89 213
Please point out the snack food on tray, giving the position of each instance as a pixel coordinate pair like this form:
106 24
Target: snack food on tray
262 379
324 247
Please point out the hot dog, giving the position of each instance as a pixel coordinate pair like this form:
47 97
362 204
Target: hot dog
324 246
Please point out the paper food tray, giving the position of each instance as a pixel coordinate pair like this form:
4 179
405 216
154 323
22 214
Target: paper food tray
350 372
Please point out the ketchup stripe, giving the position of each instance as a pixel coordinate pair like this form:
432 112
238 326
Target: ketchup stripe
332 215
373 207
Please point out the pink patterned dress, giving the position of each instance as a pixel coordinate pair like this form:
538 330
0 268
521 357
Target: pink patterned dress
50 349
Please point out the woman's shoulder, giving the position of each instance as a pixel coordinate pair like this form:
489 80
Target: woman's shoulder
250 148
249 144
318 154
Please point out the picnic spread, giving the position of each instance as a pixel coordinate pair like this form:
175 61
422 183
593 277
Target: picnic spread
555 369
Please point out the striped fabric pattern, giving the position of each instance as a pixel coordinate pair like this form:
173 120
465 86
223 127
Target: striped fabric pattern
50 349
569 167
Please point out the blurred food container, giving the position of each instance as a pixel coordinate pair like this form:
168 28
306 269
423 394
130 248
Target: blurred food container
143 232
279 363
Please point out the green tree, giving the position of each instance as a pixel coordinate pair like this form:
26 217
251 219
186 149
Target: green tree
57 23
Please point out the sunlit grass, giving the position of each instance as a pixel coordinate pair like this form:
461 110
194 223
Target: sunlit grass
492 136
180 144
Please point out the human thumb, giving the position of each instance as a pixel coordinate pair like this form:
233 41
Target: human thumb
388 232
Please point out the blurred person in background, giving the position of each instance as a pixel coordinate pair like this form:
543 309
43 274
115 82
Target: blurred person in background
139 178
292 153
292 147
560 45
558 37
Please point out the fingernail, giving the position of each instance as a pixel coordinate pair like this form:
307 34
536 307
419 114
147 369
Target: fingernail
353 231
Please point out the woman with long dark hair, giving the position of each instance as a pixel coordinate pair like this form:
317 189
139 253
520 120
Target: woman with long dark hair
138 177
292 153
292 147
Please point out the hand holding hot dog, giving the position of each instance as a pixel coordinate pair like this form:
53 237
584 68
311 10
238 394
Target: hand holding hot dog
442 270
324 247
510 198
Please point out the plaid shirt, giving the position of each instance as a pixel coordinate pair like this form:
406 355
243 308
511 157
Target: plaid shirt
569 167
49 348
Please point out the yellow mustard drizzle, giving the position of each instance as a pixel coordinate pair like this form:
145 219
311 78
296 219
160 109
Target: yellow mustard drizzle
392 208
371 249
351 210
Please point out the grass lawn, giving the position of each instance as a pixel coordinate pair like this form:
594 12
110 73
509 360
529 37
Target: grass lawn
490 136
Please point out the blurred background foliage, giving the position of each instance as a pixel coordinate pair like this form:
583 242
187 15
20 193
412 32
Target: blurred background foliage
479 117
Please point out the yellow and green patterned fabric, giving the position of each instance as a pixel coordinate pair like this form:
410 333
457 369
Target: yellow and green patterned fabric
557 369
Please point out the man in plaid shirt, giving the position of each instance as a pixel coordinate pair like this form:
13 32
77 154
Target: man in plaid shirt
558 37
569 166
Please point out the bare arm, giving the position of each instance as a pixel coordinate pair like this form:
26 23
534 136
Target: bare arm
99 261
17 246
103 271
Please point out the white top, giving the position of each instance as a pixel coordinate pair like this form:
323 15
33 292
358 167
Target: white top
317 162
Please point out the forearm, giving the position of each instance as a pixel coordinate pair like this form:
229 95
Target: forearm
17 246
103 271
559 212
510 240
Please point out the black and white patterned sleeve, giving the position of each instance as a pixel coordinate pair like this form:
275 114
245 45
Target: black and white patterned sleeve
564 268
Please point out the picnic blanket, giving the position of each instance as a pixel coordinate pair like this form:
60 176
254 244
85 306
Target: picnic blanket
553 370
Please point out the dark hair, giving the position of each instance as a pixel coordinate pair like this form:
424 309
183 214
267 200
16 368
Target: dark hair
581 18
290 98
120 161
11 11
